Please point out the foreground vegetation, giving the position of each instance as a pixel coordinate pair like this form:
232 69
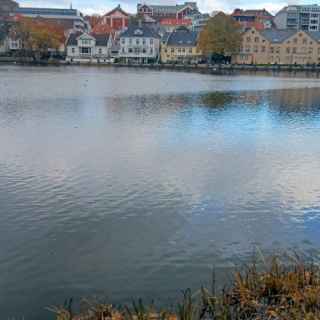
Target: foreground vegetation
277 289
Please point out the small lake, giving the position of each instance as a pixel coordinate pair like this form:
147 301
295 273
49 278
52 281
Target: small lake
135 183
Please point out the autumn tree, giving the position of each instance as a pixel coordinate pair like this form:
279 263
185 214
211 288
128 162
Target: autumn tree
221 36
38 36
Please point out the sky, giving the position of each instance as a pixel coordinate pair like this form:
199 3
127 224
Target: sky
103 6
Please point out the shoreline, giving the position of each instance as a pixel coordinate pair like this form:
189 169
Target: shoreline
200 68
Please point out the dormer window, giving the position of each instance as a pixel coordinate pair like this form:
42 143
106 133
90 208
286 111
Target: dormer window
138 32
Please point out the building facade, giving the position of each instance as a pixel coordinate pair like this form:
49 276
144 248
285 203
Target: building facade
117 19
259 19
71 20
168 11
287 47
88 47
299 17
7 8
139 44
180 46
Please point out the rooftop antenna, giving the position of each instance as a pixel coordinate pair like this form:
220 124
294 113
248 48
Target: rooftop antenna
71 5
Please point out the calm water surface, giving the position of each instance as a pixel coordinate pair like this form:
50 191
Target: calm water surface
135 183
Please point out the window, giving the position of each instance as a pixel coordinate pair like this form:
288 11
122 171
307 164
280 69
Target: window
130 50
73 50
248 39
271 49
190 50
294 50
288 50
295 40
138 41
256 39
130 40
305 41
100 51
143 41
123 41
151 41
85 50
263 49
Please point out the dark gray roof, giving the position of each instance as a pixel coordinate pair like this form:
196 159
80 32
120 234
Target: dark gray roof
277 36
47 11
139 31
101 39
182 37
315 35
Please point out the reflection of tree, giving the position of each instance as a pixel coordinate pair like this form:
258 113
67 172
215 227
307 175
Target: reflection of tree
217 99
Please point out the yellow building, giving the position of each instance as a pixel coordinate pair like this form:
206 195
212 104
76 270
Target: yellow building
180 46
279 47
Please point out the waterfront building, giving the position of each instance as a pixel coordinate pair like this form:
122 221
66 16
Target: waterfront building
180 46
88 47
7 8
258 19
115 20
198 21
168 25
273 46
159 12
139 44
299 17
71 20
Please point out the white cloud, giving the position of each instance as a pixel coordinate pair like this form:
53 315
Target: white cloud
102 6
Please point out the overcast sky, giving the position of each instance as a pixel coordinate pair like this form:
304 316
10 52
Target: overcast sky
102 6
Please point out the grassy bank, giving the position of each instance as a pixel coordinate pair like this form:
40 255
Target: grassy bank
287 289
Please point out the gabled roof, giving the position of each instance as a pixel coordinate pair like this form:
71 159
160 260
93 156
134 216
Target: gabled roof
182 37
101 39
315 35
139 31
252 12
277 36
171 9
118 8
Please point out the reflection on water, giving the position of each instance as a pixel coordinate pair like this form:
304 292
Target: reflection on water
134 183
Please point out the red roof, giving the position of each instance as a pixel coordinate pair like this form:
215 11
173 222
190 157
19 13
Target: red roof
119 9
176 22
102 28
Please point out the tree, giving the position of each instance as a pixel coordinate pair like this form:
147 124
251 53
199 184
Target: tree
221 36
38 36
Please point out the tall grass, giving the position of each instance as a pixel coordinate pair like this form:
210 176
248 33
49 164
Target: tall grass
278 290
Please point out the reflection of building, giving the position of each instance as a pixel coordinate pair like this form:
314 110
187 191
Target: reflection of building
259 19
69 19
299 17
83 46
180 46
168 11
139 44
279 47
